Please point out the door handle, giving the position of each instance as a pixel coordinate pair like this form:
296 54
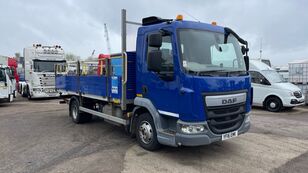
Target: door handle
144 89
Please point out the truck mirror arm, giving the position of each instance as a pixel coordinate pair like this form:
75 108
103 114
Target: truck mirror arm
245 49
229 31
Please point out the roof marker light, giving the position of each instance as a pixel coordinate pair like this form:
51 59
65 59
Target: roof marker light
179 17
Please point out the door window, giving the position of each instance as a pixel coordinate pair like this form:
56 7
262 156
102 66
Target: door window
167 54
258 78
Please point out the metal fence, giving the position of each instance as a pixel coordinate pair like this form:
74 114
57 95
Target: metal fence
298 73
304 89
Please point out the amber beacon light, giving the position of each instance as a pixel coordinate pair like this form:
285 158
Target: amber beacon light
179 17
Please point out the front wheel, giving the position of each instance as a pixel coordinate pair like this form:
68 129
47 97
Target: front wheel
28 93
146 132
273 104
23 92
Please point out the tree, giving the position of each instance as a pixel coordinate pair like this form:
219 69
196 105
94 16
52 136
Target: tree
17 55
71 57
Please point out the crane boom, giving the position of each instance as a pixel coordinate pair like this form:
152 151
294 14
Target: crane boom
107 38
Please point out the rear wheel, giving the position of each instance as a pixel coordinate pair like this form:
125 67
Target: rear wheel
28 94
23 91
146 132
273 104
77 116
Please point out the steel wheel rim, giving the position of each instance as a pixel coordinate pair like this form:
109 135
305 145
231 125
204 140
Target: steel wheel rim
74 112
273 105
145 132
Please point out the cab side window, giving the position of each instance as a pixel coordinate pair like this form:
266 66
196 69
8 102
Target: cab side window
167 54
167 57
258 78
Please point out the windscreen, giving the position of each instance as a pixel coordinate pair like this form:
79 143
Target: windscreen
205 51
10 72
273 76
2 75
45 66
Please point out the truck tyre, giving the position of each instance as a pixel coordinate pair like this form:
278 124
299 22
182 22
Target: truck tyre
77 116
28 94
273 104
23 92
146 132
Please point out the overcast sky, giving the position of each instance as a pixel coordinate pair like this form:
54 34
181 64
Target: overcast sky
78 25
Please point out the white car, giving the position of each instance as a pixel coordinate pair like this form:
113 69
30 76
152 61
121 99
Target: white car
271 91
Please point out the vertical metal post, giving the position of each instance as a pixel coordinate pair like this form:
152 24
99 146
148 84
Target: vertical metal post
123 30
124 58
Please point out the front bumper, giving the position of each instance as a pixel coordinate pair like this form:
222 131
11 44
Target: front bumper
293 101
44 95
207 136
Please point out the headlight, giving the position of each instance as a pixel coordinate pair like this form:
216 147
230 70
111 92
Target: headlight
190 129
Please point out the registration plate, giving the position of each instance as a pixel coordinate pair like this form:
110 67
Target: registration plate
229 135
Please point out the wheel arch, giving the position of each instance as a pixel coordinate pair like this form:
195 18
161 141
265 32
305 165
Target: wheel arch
144 105
138 110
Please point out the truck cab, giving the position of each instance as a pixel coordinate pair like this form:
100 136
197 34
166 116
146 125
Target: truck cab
40 64
12 80
6 86
196 83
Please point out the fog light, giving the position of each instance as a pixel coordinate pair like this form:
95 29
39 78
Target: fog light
294 101
189 129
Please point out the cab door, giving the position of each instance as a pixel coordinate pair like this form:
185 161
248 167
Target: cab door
162 87
261 87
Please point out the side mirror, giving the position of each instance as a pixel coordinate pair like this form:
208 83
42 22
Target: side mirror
246 59
155 60
155 40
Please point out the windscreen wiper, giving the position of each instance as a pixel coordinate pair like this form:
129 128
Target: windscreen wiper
239 72
198 73
210 72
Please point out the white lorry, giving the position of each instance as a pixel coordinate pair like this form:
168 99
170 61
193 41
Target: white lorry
39 70
270 90
6 85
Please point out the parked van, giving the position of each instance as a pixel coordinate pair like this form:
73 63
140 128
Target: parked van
271 91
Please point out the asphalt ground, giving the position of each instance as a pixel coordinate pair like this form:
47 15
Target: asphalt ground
38 136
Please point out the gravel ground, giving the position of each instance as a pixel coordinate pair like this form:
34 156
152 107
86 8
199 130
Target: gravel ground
38 136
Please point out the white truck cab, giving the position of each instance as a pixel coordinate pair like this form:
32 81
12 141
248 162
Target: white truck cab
40 64
271 91
6 85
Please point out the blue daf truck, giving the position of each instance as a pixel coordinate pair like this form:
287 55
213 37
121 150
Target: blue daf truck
186 84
